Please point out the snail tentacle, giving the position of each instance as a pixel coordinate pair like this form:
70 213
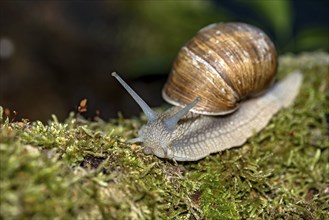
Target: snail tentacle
172 121
150 114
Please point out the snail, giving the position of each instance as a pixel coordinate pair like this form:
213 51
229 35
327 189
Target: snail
221 86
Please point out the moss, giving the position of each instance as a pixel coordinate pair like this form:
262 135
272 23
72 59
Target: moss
83 169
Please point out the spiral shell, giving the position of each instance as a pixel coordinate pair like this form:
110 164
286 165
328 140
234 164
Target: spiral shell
223 64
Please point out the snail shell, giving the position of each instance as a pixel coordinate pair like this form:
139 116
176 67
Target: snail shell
223 64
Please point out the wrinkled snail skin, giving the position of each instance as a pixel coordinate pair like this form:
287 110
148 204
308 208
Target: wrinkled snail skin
222 87
199 135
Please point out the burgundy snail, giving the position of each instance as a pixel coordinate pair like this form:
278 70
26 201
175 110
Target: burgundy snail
222 87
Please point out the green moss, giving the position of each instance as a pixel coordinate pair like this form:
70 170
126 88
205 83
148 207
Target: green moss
83 169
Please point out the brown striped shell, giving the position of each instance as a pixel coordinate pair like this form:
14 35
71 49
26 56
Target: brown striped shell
223 64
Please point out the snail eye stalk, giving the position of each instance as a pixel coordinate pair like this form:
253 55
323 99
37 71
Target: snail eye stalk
171 123
150 114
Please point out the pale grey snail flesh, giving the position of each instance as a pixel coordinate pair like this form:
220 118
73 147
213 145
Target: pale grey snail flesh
181 134
185 136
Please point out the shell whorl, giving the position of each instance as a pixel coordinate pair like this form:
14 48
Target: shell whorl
223 64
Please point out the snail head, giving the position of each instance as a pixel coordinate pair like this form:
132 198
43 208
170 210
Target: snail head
156 134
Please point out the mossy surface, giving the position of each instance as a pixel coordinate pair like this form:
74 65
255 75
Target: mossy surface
81 169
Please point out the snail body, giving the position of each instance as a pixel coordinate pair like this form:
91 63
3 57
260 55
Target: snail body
223 76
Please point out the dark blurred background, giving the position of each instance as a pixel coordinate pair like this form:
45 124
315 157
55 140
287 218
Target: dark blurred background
53 54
